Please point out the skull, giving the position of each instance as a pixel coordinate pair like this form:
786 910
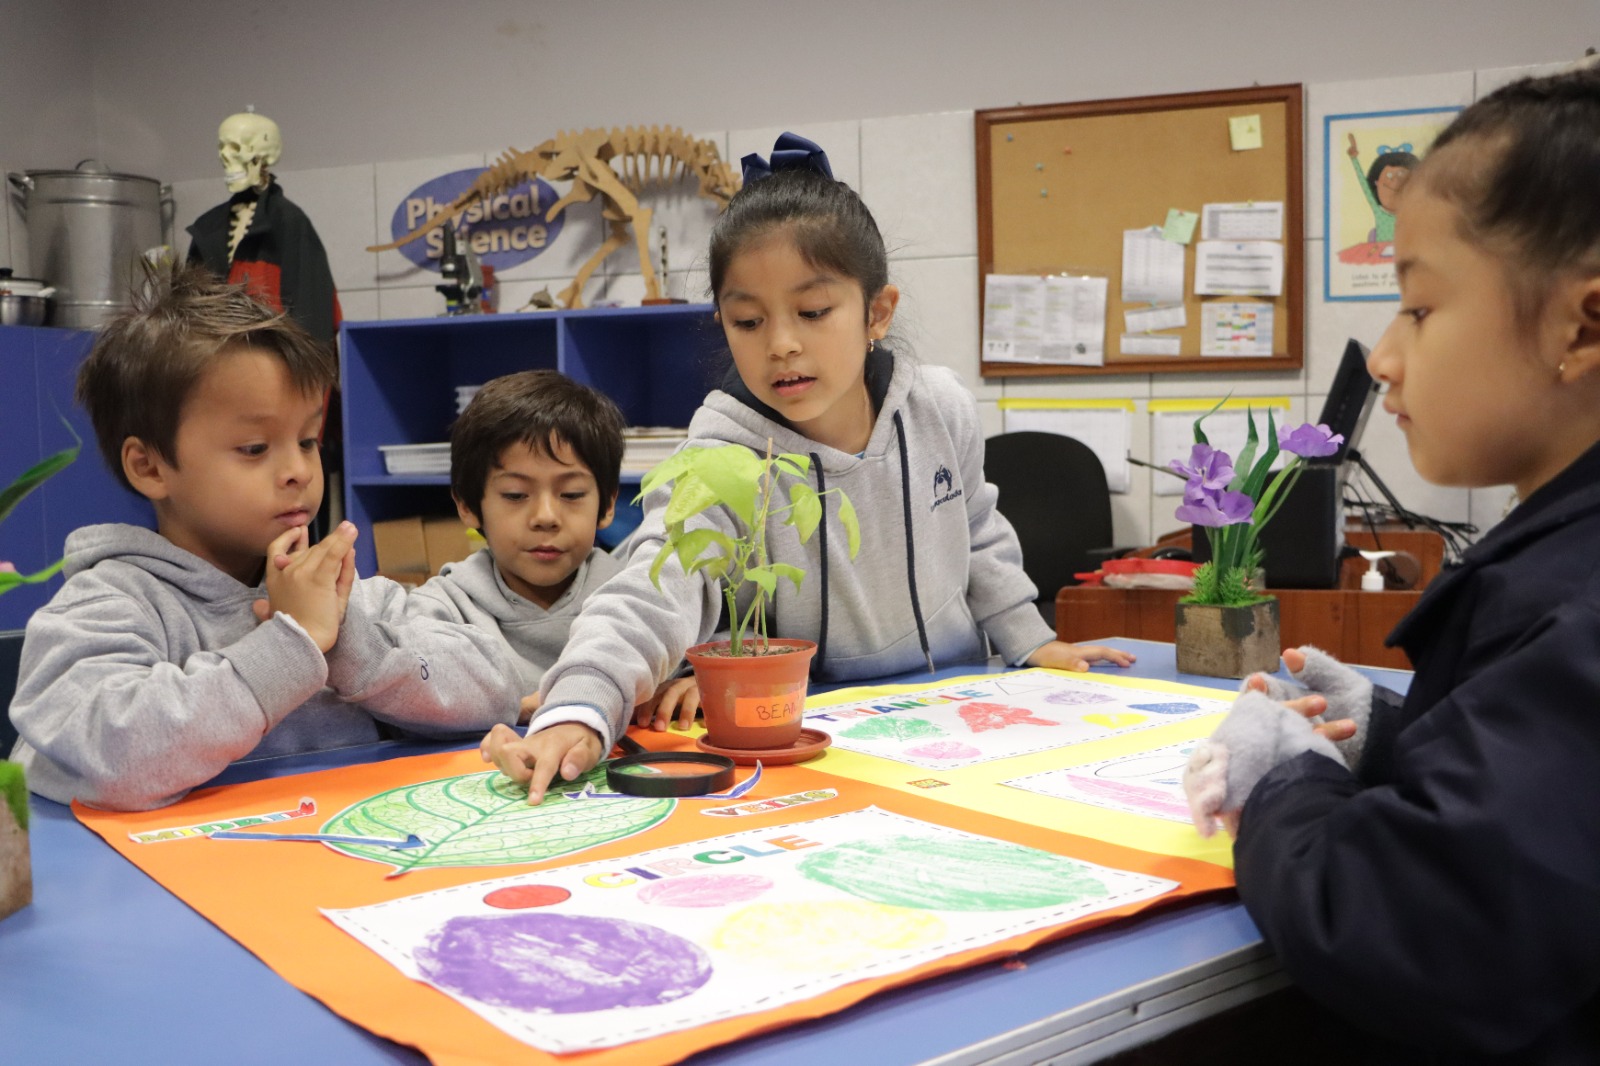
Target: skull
247 144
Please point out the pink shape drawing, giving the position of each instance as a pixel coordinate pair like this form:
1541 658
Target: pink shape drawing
1152 800
944 749
985 716
1076 698
704 890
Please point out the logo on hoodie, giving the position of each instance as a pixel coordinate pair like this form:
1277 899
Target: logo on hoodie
942 477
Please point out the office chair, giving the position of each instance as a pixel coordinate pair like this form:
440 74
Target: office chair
1053 490
10 660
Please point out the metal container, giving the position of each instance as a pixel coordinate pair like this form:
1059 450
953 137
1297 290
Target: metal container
23 301
87 230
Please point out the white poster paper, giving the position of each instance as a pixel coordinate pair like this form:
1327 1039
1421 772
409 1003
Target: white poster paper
1152 268
1107 431
1030 319
996 718
1239 329
1148 783
1238 268
1148 344
1242 222
1145 320
609 952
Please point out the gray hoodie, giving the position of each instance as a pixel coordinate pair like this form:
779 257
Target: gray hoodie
148 673
939 567
473 591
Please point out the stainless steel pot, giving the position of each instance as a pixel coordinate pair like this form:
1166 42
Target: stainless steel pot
23 301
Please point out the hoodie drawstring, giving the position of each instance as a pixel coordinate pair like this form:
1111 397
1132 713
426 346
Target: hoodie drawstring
911 552
822 545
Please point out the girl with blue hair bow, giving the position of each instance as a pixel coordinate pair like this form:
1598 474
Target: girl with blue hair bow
799 276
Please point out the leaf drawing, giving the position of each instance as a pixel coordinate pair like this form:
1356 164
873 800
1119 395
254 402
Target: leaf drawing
485 820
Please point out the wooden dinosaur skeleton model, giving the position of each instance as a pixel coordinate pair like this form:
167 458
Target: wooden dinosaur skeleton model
615 164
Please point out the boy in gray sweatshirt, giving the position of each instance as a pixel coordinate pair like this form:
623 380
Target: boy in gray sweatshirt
535 463
224 633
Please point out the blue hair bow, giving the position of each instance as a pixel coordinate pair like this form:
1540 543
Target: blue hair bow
1385 149
791 152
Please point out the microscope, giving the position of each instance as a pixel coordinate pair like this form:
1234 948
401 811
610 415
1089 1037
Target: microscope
460 277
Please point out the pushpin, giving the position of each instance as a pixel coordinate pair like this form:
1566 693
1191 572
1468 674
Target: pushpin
1067 150
1038 166
1009 137
1044 192
1372 580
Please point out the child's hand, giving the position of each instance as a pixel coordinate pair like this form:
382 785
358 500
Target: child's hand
310 584
681 694
1325 687
1059 655
569 750
1258 734
530 704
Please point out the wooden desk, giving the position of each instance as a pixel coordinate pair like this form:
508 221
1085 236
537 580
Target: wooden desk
1348 625
1345 622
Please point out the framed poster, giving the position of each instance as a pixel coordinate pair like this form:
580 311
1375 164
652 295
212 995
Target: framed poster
1366 159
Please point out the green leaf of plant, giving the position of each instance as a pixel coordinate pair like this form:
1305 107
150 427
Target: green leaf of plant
1200 434
1263 469
10 580
733 474
852 527
805 510
666 470
764 579
692 544
794 465
793 573
485 820
690 496
1242 467
34 476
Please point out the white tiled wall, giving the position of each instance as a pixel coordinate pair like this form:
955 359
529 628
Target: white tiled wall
917 174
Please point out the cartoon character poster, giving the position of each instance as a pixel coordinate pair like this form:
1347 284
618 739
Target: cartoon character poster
1367 159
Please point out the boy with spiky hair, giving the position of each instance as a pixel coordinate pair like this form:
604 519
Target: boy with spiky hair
224 633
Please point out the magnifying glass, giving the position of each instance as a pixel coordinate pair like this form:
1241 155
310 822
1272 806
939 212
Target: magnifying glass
641 772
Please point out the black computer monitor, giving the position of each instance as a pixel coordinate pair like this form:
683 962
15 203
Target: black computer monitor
1350 400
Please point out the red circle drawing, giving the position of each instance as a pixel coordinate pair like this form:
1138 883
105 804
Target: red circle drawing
521 897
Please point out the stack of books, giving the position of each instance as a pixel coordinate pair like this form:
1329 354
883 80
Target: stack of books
645 446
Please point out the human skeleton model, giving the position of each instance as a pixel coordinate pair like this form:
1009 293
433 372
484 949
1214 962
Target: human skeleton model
615 164
259 238
247 144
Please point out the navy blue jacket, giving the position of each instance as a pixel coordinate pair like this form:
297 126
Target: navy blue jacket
1447 895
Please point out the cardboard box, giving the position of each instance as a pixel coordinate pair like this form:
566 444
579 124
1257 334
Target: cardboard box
447 542
410 550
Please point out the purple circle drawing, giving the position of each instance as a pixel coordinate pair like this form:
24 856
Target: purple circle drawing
944 749
1075 698
705 890
561 963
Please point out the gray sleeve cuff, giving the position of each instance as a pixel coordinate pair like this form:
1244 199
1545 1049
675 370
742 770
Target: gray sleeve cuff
1018 632
281 665
357 657
574 712
594 692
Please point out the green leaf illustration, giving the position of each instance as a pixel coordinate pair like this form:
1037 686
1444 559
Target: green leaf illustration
485 820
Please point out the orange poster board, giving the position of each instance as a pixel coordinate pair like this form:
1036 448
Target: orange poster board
268 896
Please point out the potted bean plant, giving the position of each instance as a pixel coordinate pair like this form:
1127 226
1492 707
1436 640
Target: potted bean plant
752 686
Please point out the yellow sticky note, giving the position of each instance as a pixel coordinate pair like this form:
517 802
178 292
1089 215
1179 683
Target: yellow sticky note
1179 227
1245 132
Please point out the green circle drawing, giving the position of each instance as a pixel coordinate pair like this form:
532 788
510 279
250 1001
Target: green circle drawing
953 874
485 820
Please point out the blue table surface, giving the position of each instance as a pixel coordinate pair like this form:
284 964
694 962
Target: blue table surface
106 966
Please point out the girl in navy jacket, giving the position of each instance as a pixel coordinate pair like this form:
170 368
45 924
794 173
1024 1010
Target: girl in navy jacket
1434 879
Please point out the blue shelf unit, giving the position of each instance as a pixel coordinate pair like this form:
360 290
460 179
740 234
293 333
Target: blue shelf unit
399 381
39 369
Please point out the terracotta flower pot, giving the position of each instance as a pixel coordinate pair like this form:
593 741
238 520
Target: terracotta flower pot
753 701
1218 641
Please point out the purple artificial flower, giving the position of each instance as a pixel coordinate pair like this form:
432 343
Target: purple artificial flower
1308 441
1212 467
1213 507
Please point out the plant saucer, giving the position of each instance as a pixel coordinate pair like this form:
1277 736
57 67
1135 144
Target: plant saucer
809 745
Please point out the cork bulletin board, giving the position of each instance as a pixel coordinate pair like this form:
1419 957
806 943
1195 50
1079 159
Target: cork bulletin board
1058 184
